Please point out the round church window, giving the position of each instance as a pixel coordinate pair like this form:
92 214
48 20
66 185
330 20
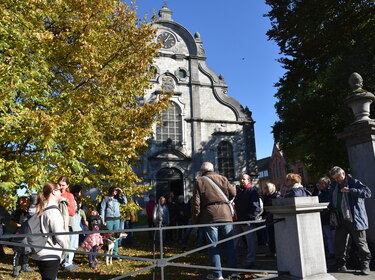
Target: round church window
182 73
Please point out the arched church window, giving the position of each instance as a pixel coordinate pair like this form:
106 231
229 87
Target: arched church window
225 159
171 126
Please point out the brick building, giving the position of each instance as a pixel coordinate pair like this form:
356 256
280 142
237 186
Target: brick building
274 169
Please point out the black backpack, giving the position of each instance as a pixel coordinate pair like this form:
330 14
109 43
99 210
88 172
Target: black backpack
30 227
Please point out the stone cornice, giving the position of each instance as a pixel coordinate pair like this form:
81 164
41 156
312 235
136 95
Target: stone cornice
218 121
364 132
296 205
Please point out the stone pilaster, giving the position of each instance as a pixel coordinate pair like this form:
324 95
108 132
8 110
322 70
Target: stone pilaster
299 238
360 143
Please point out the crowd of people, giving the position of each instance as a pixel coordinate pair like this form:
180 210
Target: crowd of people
345 195
60 207
214 201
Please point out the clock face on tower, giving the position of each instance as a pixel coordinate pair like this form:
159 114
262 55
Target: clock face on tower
167 39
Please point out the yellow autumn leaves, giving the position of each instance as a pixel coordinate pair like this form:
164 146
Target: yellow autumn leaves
71 75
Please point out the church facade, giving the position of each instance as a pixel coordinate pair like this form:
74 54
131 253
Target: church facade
203 122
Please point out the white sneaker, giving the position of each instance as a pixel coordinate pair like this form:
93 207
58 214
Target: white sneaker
212 277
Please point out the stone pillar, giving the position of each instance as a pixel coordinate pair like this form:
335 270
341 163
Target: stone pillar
299 238
360 143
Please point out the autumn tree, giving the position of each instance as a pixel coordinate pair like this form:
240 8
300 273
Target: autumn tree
322 43
72 73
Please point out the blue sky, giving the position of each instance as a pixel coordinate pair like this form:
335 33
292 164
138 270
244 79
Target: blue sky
234 37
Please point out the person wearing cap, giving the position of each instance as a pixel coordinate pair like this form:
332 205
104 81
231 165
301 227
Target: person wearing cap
18 217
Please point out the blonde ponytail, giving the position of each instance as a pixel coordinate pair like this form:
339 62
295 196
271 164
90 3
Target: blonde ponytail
43 197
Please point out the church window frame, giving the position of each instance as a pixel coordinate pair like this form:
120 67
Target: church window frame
225 159
170 126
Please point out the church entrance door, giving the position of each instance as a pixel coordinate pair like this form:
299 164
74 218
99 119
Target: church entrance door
169 180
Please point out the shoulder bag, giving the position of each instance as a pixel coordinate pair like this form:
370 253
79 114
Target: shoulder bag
227 201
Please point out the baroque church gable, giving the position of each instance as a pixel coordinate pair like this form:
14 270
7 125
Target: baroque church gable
203 122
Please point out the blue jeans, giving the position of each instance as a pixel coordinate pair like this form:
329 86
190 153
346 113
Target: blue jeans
113 225
251 242
93 257
122 226
129 238
185 241
213 234
330 238
73 246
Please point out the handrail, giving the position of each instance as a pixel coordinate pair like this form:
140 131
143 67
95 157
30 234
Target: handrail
160 262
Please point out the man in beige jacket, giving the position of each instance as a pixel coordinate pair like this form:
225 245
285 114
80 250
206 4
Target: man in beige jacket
209 206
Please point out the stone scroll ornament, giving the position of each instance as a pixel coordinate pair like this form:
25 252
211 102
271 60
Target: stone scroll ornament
168 84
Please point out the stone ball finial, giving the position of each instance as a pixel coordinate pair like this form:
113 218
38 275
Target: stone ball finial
197 35
355 81
359 100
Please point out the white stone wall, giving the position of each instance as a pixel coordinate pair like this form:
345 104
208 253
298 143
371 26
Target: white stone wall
206 121
212 109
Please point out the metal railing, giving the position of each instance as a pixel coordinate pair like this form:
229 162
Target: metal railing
160 262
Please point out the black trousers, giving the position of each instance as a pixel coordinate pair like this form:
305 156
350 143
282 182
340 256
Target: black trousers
359 238
48 269
20 258
150 225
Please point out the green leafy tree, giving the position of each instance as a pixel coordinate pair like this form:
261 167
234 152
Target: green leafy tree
72 73
322 43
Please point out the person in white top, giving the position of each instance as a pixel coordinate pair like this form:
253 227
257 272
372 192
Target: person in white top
48 260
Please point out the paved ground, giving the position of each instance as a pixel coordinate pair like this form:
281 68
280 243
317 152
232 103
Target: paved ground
268 263
353 275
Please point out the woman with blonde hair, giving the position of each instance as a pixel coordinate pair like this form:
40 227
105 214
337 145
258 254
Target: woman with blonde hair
48 260
269 193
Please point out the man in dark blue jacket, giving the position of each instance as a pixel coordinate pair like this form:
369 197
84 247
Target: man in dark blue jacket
349 199
248 208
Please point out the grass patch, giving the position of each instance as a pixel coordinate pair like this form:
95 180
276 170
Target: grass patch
142 247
